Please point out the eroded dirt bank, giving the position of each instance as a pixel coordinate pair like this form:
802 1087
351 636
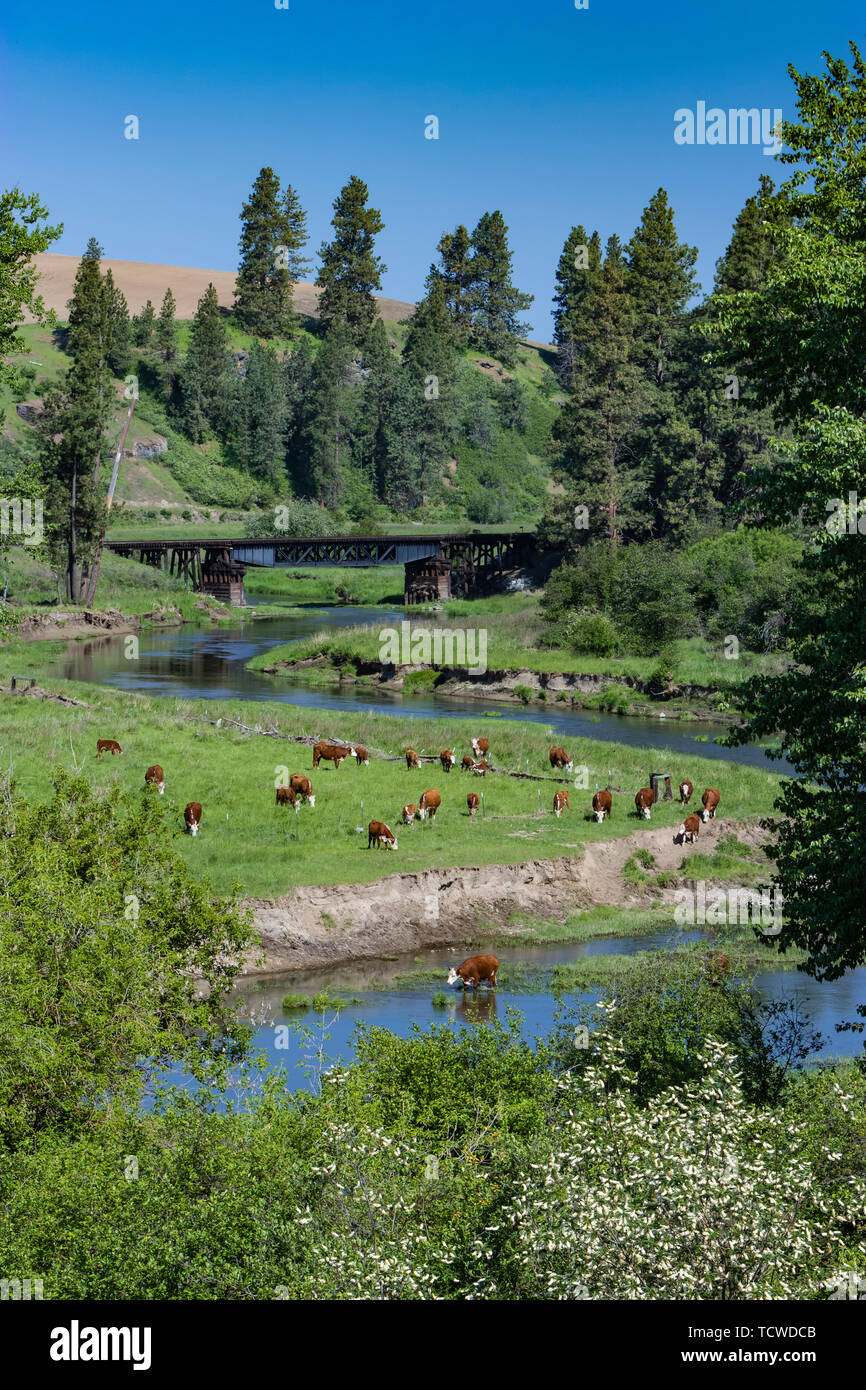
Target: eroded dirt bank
311 926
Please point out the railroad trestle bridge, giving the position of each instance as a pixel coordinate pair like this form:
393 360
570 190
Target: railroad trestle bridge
435 567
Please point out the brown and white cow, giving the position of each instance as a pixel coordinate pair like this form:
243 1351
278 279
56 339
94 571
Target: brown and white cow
709 801
482 767
686 789
473 801
286 797
467 763
155 777
644 801
560 760
429 805
192 816
407 815
481 747
361 755
447 759
301 785
690 829
560 802
107 745
412 759
378 834
602 805
331 752
475 970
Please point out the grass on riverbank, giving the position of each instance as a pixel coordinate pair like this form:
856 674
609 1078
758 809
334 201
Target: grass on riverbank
245 838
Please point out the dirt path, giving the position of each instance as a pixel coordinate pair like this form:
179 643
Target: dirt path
313 926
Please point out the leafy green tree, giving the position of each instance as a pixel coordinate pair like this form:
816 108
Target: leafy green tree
351 270
24 233
494 301
204 377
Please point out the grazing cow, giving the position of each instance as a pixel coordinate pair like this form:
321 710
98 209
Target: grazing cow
482 767
286 796
408 813
686 789
473 801
560 802
467 764
602 805
481 747
378 834
361 755
107 745
155 777
331 752
447 759
474 971
560 760
644 800
192 816
690 829
709 801
429 805
412 759
301 785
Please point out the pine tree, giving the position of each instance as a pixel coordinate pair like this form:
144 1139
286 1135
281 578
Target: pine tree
593 431
429 367
143 325
205 374
350 269
295 238
260 441
119 328
166 328
660 282
298 395
263 289
579 262
329 429
454 274
755 243
377 400
494 301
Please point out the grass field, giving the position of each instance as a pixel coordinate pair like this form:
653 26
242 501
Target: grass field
245 838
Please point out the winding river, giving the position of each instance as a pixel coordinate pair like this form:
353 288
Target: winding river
207 662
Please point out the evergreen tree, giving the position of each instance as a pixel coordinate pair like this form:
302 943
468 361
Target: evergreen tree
454 274
579 262
495 302
329 424
204 378
263 289
166 328
377 400
755 243
260 441
429 367
350 269
143 325
295 238
119 329
660 282
72 428
595 456
298 396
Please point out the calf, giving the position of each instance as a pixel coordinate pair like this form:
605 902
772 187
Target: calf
378 834
690 829
331 752
412 759
408 813
361 755
560 760
467 764
286 796
192 816
155 777
447 759
482 767
602 805
107 745
302 787
560 802
429 805
644 800
481 747
686 789
474 971
709 801
473 801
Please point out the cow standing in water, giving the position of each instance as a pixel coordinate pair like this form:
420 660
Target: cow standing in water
475 970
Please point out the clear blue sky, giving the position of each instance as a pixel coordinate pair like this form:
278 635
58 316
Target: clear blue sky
552 114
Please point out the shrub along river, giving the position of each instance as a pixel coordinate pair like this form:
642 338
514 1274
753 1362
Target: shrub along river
210 663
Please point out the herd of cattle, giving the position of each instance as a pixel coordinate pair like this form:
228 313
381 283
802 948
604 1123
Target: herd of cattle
300 789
